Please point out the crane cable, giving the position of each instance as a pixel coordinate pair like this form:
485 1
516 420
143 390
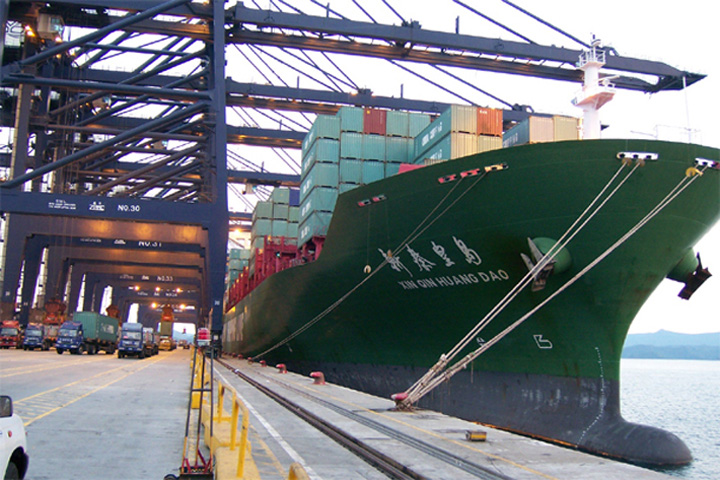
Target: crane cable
425 385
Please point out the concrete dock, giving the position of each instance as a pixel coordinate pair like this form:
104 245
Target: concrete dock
429 444
98 416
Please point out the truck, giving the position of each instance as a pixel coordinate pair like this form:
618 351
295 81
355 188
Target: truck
132 341
54 317
151 339
10 334
88 332
34 337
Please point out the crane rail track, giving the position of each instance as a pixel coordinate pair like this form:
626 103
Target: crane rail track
374 457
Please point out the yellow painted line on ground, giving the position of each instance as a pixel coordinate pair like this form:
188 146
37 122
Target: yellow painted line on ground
41 368
273 461
142 367
428 432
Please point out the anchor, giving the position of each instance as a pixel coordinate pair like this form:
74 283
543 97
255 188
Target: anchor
540 278
694 280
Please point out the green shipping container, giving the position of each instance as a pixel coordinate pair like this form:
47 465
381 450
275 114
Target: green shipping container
280 195
351 145
294 214
398 124
456 119
352 119
324 126
322 151
391 168
292 230
262 210
346 187
373 147
398 149
261 227
321 199
373 171
256 242
316 224
97 327
350 170
417 122
320 175
281 211
453 145
531 130
279 228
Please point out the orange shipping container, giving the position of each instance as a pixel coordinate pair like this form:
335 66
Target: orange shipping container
489 122
375 121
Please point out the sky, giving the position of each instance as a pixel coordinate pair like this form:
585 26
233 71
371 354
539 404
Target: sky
681 37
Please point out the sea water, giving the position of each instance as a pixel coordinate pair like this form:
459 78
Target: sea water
683 397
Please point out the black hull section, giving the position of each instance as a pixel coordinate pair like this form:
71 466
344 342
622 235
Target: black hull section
583 413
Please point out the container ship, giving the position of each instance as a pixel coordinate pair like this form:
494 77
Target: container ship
550 243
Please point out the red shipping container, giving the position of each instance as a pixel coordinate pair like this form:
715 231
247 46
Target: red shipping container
408 167
489 122
375 121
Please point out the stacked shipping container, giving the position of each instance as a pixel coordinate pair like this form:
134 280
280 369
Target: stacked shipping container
355 147
538 129
359 146
273 219
459 131
273 244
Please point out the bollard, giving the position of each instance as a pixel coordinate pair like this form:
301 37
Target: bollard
399 397
297 472
319 378
281 367
263 363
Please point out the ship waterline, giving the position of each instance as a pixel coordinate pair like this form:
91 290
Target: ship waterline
412 262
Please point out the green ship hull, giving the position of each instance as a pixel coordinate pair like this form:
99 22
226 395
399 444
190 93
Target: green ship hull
378 326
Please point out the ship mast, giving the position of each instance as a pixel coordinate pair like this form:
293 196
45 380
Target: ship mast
596 92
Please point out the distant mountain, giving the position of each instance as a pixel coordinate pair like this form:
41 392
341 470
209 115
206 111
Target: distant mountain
671 345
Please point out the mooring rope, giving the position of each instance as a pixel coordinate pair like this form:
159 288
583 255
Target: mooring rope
446 358
418 392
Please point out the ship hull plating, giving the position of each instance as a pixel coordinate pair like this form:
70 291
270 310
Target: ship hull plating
411 263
